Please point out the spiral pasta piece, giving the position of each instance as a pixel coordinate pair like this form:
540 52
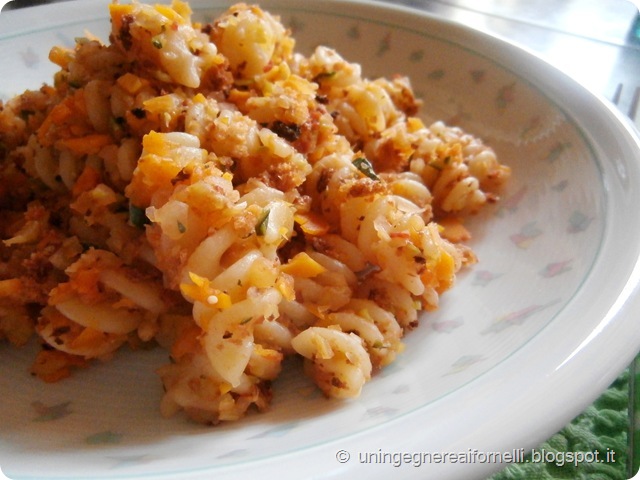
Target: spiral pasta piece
378 116
100 306
219 247
35 256
251 40
194 386
337 361
173 50
387 228
328 286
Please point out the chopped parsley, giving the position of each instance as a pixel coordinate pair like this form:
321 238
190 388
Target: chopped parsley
263 223
137 216
365 167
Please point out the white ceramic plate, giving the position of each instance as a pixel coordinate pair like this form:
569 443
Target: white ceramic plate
526 340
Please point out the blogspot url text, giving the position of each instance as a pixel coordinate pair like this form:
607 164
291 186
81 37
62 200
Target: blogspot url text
475 456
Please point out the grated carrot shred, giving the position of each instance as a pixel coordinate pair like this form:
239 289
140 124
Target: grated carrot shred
169 13
453 230
61 56
302 265
88 180
86 145
54 365
118 12
89 338
58 115
312 224
201 291
130 83
187 342
444 270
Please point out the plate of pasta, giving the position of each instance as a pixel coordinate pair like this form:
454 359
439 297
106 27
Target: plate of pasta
336 234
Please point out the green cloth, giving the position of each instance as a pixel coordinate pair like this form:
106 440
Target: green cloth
601 428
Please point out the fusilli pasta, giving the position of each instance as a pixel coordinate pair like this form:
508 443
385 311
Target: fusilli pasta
211 190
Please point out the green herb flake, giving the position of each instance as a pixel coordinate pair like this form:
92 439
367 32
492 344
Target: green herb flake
156 42
263 223
245 321
137 216
366 168
181 227
436 166
323 76
25 114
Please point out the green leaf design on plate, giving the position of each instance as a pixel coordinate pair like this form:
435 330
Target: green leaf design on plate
104 438
47 413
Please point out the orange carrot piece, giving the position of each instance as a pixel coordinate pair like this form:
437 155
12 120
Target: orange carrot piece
88 145
88 179
312 223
